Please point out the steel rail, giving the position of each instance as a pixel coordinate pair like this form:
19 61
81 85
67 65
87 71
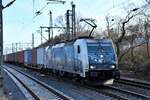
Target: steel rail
129 92
116 89
36 97
119 97
51 89
134 83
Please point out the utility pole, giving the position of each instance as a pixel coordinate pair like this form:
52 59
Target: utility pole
1 33
1 29
50 25
73 20
16 46
68 24
48 28
32 40
12 47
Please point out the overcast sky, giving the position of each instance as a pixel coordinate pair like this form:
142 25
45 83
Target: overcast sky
19 23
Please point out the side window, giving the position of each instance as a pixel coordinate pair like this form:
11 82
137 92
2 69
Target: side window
78 49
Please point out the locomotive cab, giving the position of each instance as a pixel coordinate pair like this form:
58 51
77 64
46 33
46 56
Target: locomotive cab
102 59
98 59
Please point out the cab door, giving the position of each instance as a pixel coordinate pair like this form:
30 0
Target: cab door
78 61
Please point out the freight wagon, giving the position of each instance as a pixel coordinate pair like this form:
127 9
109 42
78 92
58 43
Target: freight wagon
28 57
41 57
34 57
19 57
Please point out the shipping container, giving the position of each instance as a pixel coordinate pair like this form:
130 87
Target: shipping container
40 56
20 57
8 57
11 57
15 57
34 57
28 57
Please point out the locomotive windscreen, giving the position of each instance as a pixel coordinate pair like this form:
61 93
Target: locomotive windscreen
100 48
101 55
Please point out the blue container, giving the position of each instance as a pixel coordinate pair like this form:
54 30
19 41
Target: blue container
28 57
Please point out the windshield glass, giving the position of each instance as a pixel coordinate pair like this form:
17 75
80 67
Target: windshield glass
100 48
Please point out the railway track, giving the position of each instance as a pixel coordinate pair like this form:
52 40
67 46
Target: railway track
117 92
99 90
126 93
45 92
105 92
140 84
120 94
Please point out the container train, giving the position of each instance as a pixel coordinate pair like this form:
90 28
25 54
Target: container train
83 58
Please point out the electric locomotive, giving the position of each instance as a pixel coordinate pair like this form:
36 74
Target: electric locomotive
89 59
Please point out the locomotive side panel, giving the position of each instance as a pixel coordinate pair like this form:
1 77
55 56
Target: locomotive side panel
58 58
69 58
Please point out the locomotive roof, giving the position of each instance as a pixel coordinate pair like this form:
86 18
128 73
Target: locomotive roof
85 38
61 44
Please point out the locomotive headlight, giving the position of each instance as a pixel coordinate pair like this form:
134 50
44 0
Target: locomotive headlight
92 67
101 56
112 66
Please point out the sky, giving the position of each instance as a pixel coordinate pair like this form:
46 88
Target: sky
19 22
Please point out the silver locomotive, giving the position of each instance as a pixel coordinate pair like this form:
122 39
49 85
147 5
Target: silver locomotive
88 59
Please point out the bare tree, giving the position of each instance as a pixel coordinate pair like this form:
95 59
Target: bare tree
126 20
146 26
82 29
148 1
109 24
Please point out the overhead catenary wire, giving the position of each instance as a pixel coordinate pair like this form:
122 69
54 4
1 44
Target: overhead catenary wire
39 12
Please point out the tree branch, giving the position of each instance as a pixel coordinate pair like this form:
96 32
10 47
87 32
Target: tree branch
121 56
9 4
